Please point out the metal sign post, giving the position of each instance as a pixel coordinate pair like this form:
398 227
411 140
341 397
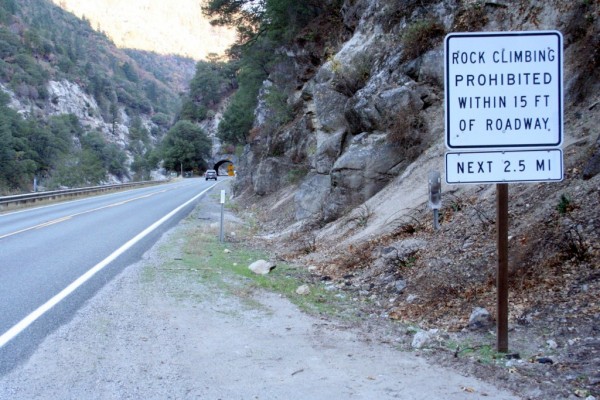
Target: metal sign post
221 235
502 267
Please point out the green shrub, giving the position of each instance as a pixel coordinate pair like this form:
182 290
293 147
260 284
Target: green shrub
281 111
239 116
421 36
349 79
564 204
162 120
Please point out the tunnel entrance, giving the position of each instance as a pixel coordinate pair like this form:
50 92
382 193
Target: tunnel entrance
224 167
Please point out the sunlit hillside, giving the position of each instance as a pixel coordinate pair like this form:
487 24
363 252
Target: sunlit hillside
165 27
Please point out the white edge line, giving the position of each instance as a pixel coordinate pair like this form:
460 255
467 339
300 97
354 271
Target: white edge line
31 318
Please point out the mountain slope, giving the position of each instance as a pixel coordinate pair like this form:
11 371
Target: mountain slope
53 64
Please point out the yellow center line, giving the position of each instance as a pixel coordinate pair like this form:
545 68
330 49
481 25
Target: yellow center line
56 221
68 217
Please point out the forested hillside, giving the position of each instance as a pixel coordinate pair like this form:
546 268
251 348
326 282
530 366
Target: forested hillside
266 30
173 70
75 110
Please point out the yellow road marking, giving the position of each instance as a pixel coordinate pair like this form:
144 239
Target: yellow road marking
68 217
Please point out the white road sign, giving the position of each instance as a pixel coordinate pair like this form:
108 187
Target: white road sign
503 90
504 166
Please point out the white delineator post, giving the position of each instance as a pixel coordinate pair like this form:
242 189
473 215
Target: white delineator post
222 215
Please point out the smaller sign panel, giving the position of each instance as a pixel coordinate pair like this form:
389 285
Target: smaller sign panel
435 190
504 166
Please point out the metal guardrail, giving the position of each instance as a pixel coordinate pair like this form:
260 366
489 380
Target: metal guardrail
50 195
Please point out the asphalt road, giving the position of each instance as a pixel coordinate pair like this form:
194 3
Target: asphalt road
54 258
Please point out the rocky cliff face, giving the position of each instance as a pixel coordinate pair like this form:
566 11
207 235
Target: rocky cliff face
68 98
374 103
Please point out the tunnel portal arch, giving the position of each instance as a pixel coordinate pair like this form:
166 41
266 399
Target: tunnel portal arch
225 171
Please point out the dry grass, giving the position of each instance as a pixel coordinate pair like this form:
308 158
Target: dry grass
406 130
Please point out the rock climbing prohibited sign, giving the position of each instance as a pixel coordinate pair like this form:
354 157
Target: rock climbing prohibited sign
504 122
503 91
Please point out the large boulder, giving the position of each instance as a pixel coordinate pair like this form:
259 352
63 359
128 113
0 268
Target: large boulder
480 319
432 67
311 195
245 170
327 103
362 170
328 149
261 267
268 176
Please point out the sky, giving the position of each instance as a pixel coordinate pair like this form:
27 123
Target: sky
165 27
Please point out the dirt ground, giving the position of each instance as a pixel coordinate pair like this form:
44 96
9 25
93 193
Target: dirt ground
152 334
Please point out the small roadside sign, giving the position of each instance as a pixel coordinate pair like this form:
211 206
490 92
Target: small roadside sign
503 90
504 166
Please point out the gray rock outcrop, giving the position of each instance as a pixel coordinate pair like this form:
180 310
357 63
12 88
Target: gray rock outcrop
370 101
357 124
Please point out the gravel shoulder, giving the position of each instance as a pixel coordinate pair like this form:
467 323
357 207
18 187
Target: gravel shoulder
155 333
